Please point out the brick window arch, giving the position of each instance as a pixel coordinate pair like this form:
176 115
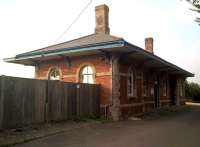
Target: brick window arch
54 73
86 74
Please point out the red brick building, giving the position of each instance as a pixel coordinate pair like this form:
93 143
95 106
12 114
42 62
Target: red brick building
133 80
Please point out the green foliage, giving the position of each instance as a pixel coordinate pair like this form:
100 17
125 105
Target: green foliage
192 91
196 8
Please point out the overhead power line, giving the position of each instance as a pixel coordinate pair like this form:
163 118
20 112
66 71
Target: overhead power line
74 21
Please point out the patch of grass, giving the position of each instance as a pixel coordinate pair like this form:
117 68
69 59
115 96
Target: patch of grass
79 119
101 119
91 118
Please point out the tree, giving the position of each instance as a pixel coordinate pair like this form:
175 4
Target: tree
192 91
196 8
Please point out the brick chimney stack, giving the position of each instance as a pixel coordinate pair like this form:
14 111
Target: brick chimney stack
102 22
149 44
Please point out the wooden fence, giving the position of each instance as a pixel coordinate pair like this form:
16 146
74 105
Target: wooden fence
30 101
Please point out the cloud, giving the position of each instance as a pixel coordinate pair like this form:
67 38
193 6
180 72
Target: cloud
27 25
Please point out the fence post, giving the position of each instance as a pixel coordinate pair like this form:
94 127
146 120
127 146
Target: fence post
1 101
46 111
78 100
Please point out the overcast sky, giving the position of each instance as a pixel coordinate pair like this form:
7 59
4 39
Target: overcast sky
26 25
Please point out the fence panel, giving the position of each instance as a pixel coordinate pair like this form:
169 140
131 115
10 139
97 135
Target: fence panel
39 95
88 100
61 100
1 102
96 103
29 101
14 93
23 102
55 93
70 92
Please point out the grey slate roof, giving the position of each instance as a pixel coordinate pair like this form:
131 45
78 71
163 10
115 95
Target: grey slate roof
86 40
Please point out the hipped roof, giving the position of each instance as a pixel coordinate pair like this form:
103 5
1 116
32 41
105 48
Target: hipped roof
92 44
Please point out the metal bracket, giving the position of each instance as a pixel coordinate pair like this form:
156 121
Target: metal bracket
124 55
107 55
67 60
35 63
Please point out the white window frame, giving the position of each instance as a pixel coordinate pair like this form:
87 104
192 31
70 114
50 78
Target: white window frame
165 87
54 69
86 74
131 84
145 88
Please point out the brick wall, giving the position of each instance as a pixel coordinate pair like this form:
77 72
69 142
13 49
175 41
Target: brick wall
103 76
70 72
142 103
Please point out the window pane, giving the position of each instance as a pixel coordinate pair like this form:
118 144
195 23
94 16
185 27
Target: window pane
145 86
90 79
89 70
130 84
84 71
54 74
129 89
164 87
84 80
87 75
55 78
130 79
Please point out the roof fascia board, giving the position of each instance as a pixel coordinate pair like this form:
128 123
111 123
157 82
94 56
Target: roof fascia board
119 43
115 45
78 48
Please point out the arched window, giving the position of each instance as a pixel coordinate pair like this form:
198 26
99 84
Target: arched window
87 75
145 85
131 83
164 87
54 74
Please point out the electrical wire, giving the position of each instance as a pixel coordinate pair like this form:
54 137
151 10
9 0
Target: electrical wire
74 21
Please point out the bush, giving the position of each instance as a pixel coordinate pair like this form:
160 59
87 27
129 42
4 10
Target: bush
192 90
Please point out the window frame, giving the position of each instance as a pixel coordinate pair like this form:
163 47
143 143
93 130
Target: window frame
145 86
81 75
55 70
164 87
133 84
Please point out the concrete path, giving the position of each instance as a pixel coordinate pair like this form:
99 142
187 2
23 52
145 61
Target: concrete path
181 129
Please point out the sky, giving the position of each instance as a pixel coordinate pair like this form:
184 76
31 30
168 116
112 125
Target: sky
26 25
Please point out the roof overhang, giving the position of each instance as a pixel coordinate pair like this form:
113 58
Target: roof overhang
30 58
154 62
125 48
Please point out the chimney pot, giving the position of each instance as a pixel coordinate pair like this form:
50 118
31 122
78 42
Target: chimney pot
102 22
149 44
